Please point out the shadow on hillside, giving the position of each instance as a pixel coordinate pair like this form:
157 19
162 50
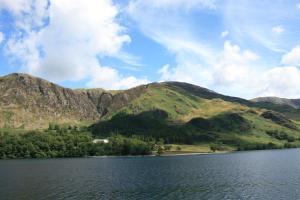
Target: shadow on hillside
154 124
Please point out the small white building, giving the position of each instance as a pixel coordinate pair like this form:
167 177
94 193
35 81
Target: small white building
105 141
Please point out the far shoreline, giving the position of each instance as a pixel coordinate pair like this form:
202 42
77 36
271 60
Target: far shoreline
168 154
151 155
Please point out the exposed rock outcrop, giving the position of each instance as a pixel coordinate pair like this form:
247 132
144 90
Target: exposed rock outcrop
34 102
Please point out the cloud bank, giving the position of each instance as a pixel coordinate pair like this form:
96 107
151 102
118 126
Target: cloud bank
66 39
230 69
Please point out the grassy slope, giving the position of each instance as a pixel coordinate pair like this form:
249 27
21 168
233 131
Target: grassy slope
164 111
180 105
290 112
192 117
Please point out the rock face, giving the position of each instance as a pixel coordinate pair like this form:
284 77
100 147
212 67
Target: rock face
295 103
30 102
99 98
107 102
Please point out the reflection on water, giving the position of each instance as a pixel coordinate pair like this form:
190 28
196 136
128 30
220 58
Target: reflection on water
246 175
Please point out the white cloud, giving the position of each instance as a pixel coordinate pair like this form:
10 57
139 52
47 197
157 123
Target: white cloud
230 68
68 47
249 22
234 65
130 59
164 72
234 71
186 72
238 73
174 36
278 29
191 54
171 4
292 57
110 78
224 34
16 6
29 14
72 42
2 37
280 81
298 5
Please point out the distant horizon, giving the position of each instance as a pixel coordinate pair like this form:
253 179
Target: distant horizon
234 48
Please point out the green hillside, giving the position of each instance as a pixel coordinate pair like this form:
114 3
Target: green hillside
186 117
185 114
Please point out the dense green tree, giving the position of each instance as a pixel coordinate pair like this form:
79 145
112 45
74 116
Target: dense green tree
60 142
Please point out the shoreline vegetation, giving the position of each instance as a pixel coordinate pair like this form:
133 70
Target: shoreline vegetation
73 141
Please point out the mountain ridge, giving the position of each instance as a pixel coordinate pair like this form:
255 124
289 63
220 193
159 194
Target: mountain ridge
295 103
42 101
22 94
177 112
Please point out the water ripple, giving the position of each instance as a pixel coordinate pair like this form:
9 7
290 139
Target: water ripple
245 175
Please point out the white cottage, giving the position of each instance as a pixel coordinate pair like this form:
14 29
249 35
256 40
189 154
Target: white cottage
105 141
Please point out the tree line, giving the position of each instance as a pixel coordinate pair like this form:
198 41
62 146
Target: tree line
59 141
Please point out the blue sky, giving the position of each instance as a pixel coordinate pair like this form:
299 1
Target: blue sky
244 48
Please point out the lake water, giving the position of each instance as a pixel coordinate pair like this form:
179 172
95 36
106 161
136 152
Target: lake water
245 175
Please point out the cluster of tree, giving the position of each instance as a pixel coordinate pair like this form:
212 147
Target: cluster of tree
66 128
69 142
154 124
269 145
120 145
44 144
156 128
289 145
217 147
280 135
